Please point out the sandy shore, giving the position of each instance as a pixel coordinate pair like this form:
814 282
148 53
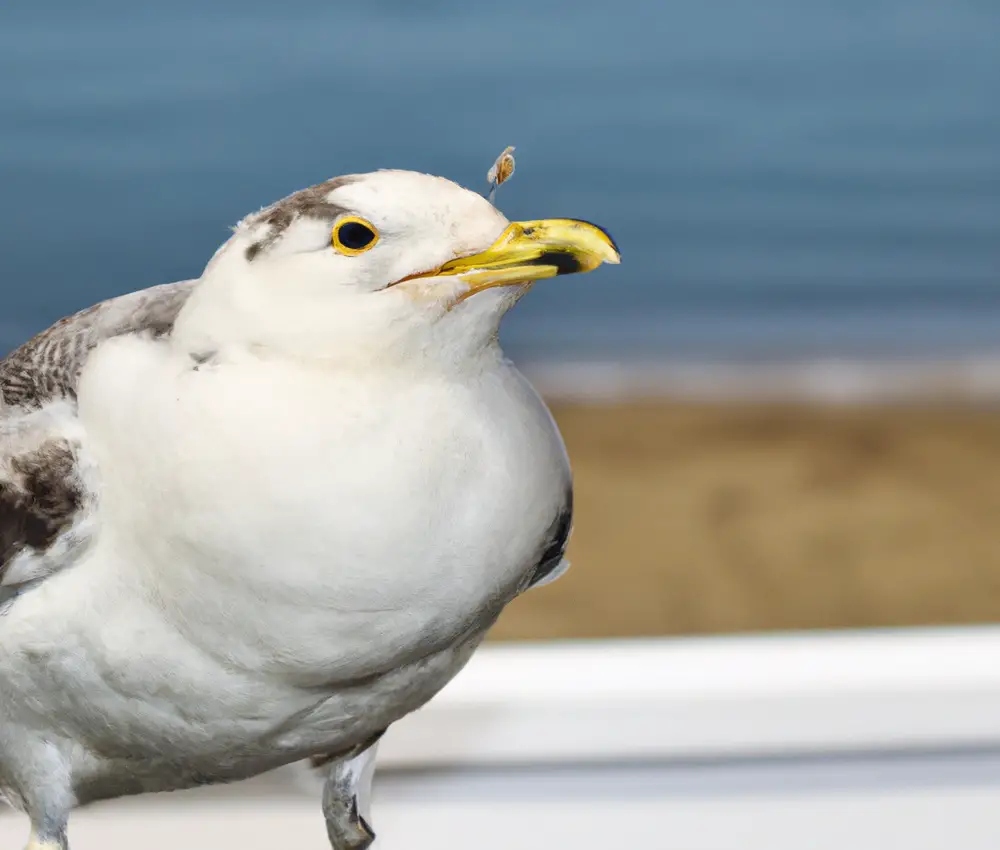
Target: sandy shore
696 518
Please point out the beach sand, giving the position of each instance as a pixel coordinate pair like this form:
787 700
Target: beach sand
706 518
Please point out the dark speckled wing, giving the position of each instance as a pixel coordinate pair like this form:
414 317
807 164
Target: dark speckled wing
44 500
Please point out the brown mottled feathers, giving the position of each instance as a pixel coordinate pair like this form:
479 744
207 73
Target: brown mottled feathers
48 365
42 494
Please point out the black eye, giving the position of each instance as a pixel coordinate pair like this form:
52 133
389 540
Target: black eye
354 236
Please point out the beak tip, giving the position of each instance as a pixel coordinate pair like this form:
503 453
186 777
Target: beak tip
612 253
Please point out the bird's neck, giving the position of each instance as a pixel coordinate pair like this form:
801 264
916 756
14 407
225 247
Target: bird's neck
223 319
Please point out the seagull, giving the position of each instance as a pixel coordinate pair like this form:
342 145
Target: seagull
255 518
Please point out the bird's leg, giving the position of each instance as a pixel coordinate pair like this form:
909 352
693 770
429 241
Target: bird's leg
347 797
47 838
49 813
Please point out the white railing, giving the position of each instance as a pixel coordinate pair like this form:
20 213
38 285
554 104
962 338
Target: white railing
811 693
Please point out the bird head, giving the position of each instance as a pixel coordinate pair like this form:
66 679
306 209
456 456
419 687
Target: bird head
378 267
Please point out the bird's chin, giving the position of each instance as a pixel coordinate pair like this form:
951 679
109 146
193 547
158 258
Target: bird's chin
497 294
477 318
450 293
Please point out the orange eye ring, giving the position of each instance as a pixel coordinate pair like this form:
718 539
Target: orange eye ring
353 235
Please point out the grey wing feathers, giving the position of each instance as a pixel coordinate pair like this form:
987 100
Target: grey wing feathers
46 488
48 365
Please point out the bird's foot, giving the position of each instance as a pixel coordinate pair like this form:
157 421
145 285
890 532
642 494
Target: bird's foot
346 798
347 827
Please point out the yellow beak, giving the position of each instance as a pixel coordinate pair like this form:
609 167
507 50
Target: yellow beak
532 250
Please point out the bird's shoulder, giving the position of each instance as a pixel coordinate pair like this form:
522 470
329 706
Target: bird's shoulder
47 367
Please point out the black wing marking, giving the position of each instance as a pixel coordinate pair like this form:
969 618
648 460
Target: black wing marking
556 542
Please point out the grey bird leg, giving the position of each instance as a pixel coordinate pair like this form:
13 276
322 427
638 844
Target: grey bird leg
46 835
42 790
347 797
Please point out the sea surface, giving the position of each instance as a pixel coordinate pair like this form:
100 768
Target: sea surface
788 179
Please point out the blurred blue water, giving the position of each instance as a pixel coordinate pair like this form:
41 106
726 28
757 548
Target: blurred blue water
785 177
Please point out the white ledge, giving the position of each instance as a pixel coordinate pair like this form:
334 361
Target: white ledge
773 695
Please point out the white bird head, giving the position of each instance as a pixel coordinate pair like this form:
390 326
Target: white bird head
377 267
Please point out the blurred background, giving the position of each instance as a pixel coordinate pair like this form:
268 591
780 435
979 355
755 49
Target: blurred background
781 408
